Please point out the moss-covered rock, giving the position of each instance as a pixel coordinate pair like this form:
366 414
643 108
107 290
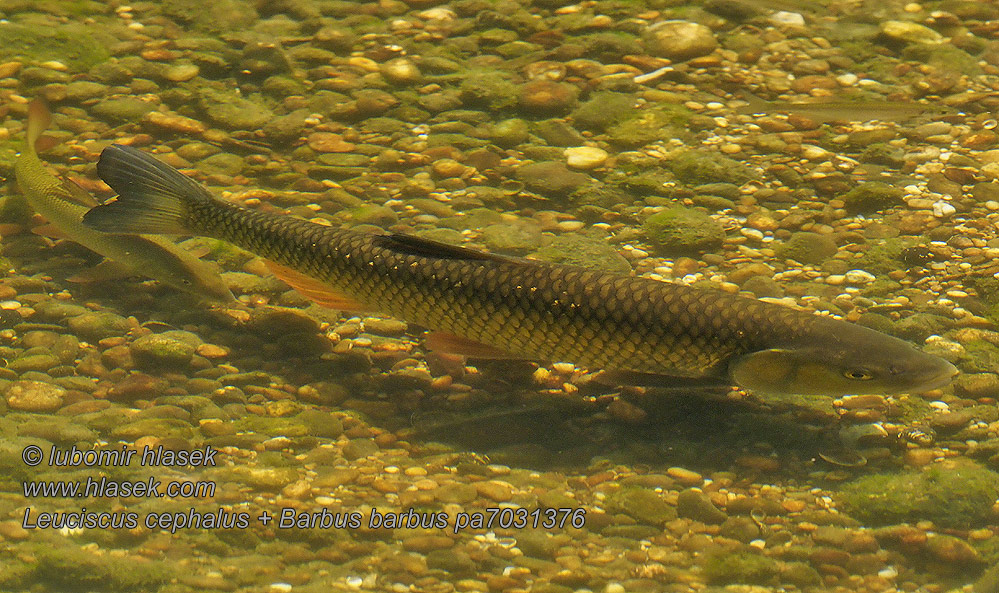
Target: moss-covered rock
641 504
604 109
77 46
957 494
645 126
807 248
696 167
872 196
215 16
552 178
158 350
742 567
489 89
232 112
98 325
70 568
683 231
581 250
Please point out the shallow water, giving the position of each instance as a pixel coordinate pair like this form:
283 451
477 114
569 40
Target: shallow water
279 446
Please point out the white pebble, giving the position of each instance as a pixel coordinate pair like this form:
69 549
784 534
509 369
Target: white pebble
939 405
585 157
787 18
814 153
848 79
280 587
858 277
758 544
942 209
888 572
754 234
835 279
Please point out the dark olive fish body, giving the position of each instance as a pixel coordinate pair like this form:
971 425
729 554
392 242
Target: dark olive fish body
532 309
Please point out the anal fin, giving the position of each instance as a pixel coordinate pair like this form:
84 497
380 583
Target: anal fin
317 291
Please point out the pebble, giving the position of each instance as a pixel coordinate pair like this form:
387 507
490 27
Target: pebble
685 476
679 40
859 277
585 157
181 72
34 396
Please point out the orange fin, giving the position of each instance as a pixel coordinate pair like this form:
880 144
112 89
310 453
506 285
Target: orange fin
49 230
449 343
315 290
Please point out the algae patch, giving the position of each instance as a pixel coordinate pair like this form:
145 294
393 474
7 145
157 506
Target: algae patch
76 46
953 494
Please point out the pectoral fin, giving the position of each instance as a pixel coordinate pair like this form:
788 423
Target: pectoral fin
105 271
449 343
317 291
49 230
638 379
767 371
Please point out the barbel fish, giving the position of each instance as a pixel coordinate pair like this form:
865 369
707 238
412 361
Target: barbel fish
483 304
62 204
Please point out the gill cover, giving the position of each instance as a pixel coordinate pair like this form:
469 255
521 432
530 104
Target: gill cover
800 372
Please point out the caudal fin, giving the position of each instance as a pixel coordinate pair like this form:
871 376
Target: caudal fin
153 197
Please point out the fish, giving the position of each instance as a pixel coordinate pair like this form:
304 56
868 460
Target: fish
63 204
488 305
842 111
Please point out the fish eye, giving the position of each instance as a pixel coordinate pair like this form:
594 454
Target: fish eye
858 374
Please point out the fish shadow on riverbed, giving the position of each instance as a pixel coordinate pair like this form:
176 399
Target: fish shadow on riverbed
696 428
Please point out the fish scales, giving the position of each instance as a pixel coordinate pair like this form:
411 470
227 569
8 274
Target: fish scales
531 309
602 320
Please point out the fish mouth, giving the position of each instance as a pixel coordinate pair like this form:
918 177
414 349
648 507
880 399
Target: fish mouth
939 378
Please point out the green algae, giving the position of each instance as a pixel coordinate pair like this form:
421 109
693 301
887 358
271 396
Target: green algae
957 494
683 231
580 250
807 248
871 196
70 568
740 567
76 46
646 126
697 167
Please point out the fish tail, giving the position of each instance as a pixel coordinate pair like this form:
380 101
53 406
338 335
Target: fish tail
39 119
756 104
152 197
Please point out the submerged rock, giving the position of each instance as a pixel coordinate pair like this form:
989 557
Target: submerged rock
683 231
34 396
679 40
807 248
957 494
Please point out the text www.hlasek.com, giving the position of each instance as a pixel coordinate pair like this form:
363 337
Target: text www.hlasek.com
105 488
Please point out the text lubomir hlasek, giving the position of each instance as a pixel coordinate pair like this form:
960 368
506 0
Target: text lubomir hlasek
150 456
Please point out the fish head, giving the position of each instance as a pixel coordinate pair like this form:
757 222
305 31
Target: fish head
183 271
845 359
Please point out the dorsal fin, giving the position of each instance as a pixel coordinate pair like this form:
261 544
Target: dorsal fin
411 245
